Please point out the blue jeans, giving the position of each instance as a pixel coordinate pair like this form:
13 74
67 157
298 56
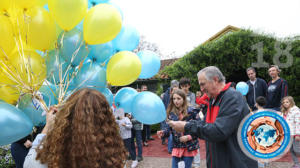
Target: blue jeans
127 143
137 134
19 152
187 161
170 143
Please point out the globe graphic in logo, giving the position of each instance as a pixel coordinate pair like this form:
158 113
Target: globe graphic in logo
265 135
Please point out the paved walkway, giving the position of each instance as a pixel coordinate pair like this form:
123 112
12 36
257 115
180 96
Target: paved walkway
156 156
158 162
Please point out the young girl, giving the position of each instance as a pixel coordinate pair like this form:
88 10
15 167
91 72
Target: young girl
184 146
291 113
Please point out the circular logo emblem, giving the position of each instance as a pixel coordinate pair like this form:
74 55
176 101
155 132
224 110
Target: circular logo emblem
264 135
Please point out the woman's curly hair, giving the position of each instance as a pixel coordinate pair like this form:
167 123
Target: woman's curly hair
84 135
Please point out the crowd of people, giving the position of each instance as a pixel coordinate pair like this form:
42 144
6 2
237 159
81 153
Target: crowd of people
83 132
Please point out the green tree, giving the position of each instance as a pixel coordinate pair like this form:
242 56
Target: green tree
235 52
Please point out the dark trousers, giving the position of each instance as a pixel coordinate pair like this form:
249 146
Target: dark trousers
127 143
146 133
19 152
137 134
163 125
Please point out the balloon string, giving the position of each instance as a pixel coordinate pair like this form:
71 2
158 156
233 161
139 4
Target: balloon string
75 73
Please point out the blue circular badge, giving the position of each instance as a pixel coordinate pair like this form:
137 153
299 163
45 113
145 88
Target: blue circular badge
264 135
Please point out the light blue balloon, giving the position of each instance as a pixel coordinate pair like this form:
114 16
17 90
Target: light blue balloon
32 110
148 108
71 42
242 87
150 64
108 95
49 93
127 40
92 75
14 124
124 98
53 66
101 53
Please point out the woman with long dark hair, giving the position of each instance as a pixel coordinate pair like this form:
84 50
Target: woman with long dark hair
184 146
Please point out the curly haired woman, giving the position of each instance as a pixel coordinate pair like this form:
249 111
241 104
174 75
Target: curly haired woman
82 133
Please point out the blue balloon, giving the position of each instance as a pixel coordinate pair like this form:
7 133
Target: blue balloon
91 75
108 95
49 94
55 65
101 53
242 87
72 46
124 98
32 109
14 124
150 64
127 40
148 108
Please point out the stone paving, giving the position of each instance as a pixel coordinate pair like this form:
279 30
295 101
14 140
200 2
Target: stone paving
156 162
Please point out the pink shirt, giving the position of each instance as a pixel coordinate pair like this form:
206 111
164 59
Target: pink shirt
179 152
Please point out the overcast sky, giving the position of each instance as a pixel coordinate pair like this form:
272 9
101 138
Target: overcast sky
180 25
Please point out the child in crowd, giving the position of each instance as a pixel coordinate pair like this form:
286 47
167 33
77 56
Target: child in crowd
136 133
185 85
125 130
184 146
260 102
291 114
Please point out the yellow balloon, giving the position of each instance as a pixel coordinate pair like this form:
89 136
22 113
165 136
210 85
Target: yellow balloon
41 2
123 68
9 94
38 28
68 13
7 42
5 5
31 67
8 90
102 23
25 4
